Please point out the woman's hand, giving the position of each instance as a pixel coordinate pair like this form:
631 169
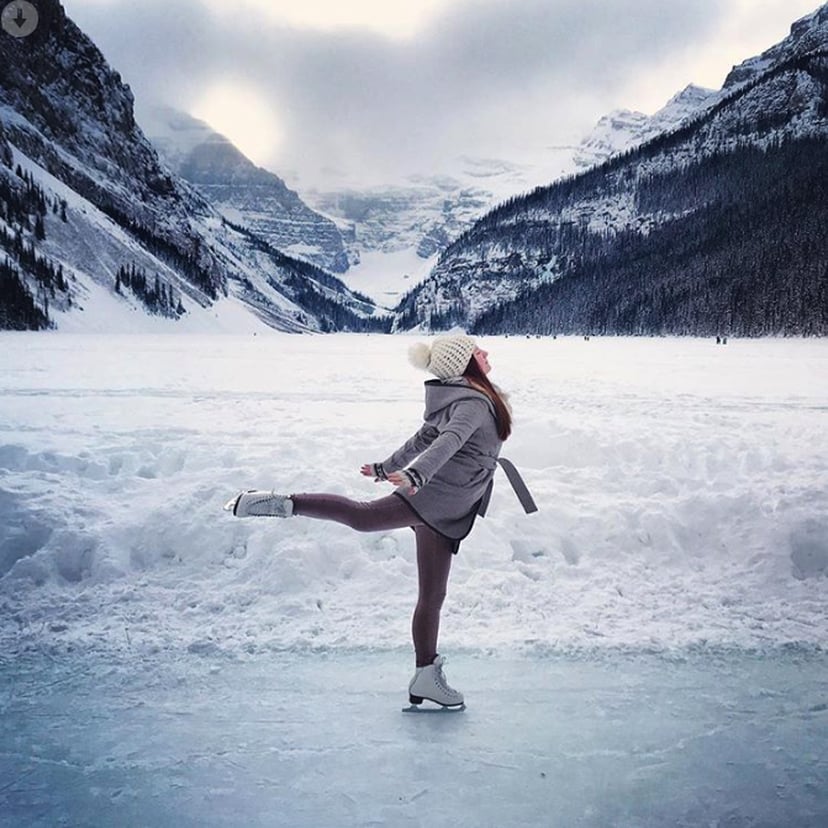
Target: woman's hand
374 470
402 479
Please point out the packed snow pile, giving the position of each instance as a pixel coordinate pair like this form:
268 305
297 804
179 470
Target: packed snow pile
681 487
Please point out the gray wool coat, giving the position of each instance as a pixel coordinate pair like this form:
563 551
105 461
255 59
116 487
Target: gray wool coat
455 452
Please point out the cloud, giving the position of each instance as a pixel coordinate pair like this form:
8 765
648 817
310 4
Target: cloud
484 76
392 19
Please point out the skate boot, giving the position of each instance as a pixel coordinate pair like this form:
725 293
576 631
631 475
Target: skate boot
430 683
260 504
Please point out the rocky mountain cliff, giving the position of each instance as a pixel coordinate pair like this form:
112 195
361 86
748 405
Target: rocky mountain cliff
713 226
89 216
242 192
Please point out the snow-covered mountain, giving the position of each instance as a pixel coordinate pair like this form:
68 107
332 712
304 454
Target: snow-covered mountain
96 232
395 232
716 224
624 129
389 234
426 211
241 191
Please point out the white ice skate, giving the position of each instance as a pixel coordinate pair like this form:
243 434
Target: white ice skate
260 504
430 683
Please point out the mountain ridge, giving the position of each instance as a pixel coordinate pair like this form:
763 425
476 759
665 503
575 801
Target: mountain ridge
242 191
533 240
105 205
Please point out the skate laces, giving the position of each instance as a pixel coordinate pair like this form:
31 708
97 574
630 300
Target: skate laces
440 677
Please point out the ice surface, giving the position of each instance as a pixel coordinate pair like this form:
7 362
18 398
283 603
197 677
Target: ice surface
710 739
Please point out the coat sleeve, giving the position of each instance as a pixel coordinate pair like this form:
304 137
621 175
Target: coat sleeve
466 417
411 448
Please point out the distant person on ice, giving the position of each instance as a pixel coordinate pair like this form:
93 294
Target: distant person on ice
443 475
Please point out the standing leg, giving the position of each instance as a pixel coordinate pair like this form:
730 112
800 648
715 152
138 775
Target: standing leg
434 554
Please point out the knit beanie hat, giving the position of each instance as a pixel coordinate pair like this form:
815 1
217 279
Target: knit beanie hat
447 357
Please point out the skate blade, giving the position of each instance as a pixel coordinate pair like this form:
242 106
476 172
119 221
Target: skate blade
417 708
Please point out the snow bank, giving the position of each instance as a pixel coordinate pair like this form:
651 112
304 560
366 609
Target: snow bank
680 484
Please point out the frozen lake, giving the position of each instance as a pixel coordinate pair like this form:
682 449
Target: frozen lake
298 740
647 649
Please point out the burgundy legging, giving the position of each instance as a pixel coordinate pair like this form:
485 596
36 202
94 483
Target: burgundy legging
434 553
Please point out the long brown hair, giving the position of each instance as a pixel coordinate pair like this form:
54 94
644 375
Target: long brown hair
502 411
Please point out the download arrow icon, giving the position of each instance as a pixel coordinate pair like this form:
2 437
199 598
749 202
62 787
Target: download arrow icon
19 18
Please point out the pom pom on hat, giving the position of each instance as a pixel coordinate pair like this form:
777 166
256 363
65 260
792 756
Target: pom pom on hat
447 357
419 355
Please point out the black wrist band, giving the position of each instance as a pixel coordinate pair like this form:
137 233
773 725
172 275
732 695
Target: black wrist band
414 477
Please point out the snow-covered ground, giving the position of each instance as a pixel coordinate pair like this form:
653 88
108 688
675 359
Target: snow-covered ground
681 485
646 650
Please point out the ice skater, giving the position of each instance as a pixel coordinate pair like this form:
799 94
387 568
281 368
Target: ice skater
443 476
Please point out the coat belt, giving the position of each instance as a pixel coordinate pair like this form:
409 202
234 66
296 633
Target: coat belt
517 484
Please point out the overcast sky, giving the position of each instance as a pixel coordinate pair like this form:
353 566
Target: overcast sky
378 88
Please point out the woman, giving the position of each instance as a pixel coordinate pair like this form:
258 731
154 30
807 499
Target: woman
443 475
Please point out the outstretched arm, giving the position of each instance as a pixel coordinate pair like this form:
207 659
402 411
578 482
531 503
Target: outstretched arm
432 447
415 445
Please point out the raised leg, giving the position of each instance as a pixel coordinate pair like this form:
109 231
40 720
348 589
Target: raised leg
380 515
